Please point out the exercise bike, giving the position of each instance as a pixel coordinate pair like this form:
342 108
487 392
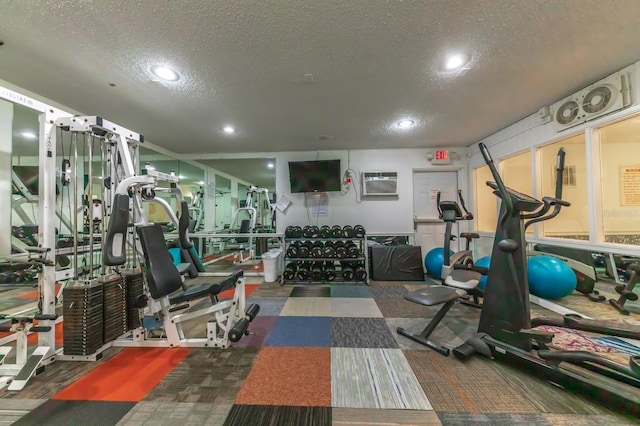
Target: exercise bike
457 269
505 328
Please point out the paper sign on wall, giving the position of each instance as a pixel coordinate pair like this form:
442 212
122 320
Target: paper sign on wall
630 185
210 192
282 203
319 205
434 194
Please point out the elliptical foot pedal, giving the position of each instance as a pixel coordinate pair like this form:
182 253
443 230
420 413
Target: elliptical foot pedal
464 352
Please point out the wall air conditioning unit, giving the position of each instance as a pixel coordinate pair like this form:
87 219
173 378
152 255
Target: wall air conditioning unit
379 183
604 97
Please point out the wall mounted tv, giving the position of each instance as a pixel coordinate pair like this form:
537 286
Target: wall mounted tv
315 176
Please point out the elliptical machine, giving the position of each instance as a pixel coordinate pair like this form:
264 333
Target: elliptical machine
457 269
504 331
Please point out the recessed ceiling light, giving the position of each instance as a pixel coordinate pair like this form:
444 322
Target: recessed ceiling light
456 61
201 182
229 129
405 124
165 73
29 135
270 165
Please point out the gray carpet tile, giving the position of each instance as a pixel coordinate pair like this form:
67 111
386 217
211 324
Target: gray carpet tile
65 413
269 306
442 335
589 420
158 413
465 387
345 290
459 419
388 291
546 397
11 410
275 415
361 333
206 376
395 307
272 290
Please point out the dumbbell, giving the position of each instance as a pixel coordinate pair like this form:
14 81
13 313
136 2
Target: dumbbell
340 249
325 231
289 272
302 273
5 277
293 251
347 231
352 250
347 272
316 271
360 274
328 251
289 232
317 249
358 231
329 272
314 232
304 249
336 231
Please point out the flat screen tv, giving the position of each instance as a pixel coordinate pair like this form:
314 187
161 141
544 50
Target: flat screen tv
315 176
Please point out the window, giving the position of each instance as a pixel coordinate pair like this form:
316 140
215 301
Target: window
516 174
486 210
573 221
620 173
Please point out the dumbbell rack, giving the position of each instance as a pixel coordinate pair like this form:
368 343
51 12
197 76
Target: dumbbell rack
363 257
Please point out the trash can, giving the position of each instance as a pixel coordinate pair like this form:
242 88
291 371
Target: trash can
271 263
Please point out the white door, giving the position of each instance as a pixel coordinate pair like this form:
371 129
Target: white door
429 232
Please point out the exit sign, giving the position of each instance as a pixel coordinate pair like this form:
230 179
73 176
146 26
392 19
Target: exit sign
441 156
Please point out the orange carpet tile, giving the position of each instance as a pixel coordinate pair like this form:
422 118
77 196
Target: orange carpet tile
289 377
128 376
248 289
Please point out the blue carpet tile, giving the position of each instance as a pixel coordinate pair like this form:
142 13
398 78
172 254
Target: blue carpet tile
65 413
301 331
340 290
361 333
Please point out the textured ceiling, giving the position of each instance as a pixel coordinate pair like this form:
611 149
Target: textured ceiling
373 63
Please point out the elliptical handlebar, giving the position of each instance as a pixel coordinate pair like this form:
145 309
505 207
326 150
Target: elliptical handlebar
504 194
438 204
467 214
556 202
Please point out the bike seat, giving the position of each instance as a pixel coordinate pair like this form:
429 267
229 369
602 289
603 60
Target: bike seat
470 235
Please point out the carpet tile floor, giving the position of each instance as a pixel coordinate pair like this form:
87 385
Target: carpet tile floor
323 355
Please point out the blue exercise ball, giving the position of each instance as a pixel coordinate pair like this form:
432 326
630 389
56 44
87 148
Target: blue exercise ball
550 277
434 260
483 262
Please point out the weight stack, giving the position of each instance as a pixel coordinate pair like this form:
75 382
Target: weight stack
134 283
83 317
114 295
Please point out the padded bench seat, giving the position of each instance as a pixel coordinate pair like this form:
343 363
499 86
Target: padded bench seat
204 290
434 295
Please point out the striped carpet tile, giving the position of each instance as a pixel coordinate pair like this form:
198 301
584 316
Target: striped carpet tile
374 378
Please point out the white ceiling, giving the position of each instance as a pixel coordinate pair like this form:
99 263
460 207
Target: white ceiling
373 62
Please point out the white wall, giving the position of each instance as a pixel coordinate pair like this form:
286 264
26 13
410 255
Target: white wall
377 214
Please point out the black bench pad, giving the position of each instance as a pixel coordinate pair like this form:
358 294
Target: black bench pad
204 290
434 295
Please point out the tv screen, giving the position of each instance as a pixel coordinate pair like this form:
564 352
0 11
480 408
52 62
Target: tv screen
315 176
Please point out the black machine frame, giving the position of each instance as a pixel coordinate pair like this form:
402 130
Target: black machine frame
505 327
